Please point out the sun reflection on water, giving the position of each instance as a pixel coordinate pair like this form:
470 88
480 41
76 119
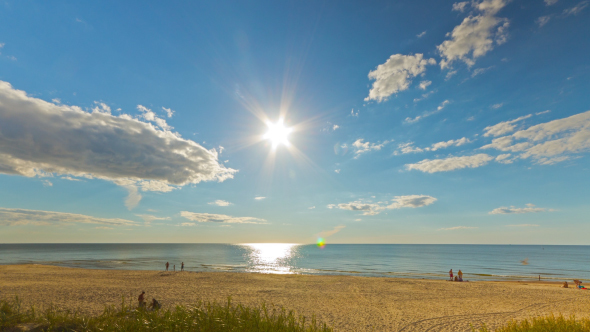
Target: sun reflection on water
271 257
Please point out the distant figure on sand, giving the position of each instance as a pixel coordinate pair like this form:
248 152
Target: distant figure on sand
565 285
182 267
141 300
451 275
155 305
167 264
460 275
174 267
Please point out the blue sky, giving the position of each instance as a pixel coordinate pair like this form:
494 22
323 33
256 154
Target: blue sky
430 122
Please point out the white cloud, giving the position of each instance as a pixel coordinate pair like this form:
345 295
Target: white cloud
47 183
496 106
311 207
541 21
503 127
220 218
360 146
220 202
37 136
503 158
425 95
396 75
258 198
410 148
544 112
398 202
337 171
460 6
2 45
575 10
456 228
450 74
101 108
188 224
352 113
444 145
13 217
427 114
56 101
421 34
451 163
334 127
530 208
551 142
326 234
169 112
550 2
480 71
149 115
424 84
69 178
148 218
523 225
476 35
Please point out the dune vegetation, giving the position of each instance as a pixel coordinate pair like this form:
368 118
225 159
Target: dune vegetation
203 316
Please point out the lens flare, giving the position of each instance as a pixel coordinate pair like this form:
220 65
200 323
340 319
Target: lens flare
321 242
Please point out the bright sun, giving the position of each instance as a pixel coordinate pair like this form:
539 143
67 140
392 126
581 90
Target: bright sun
277 133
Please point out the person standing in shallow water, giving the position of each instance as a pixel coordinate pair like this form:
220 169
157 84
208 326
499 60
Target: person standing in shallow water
182 266
451 275
167 264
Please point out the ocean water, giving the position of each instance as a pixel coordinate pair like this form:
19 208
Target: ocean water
478 262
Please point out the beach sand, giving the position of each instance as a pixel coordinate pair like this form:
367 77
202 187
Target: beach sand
346 303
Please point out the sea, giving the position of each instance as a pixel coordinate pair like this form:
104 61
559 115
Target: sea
429 261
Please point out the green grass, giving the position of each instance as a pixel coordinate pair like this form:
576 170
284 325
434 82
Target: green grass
204 316
545 324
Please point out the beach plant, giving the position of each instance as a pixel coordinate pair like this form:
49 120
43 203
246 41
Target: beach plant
550 323
203 316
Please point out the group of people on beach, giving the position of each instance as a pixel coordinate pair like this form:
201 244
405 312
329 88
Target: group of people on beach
181 266
155 305
458 277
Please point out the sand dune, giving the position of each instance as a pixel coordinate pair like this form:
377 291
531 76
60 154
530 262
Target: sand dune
346 303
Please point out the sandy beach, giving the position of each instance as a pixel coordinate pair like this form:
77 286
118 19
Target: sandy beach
346 303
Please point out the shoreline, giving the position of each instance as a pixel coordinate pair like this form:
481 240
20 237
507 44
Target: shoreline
347 303
392 275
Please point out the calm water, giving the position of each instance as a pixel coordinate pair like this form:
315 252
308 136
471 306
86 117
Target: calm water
478 262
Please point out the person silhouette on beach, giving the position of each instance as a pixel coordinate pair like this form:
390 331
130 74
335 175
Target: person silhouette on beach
174 267
451 275
141 300
182 266
155 305
167 264
460 275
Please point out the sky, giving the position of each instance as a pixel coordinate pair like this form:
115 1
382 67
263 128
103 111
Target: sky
393 121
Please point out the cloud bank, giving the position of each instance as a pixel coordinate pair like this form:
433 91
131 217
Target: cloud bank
15 217
371 209
37 137
220 218
530 208
451 163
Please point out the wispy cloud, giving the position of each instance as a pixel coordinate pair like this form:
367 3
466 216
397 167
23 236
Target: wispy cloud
456 228
575 10
550 142
329 233
504 127
14 217
450 163
530 208
220 218
220 202
427 114
398 202
360 146
259 198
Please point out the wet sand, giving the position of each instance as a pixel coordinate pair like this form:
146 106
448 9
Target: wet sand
347 303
